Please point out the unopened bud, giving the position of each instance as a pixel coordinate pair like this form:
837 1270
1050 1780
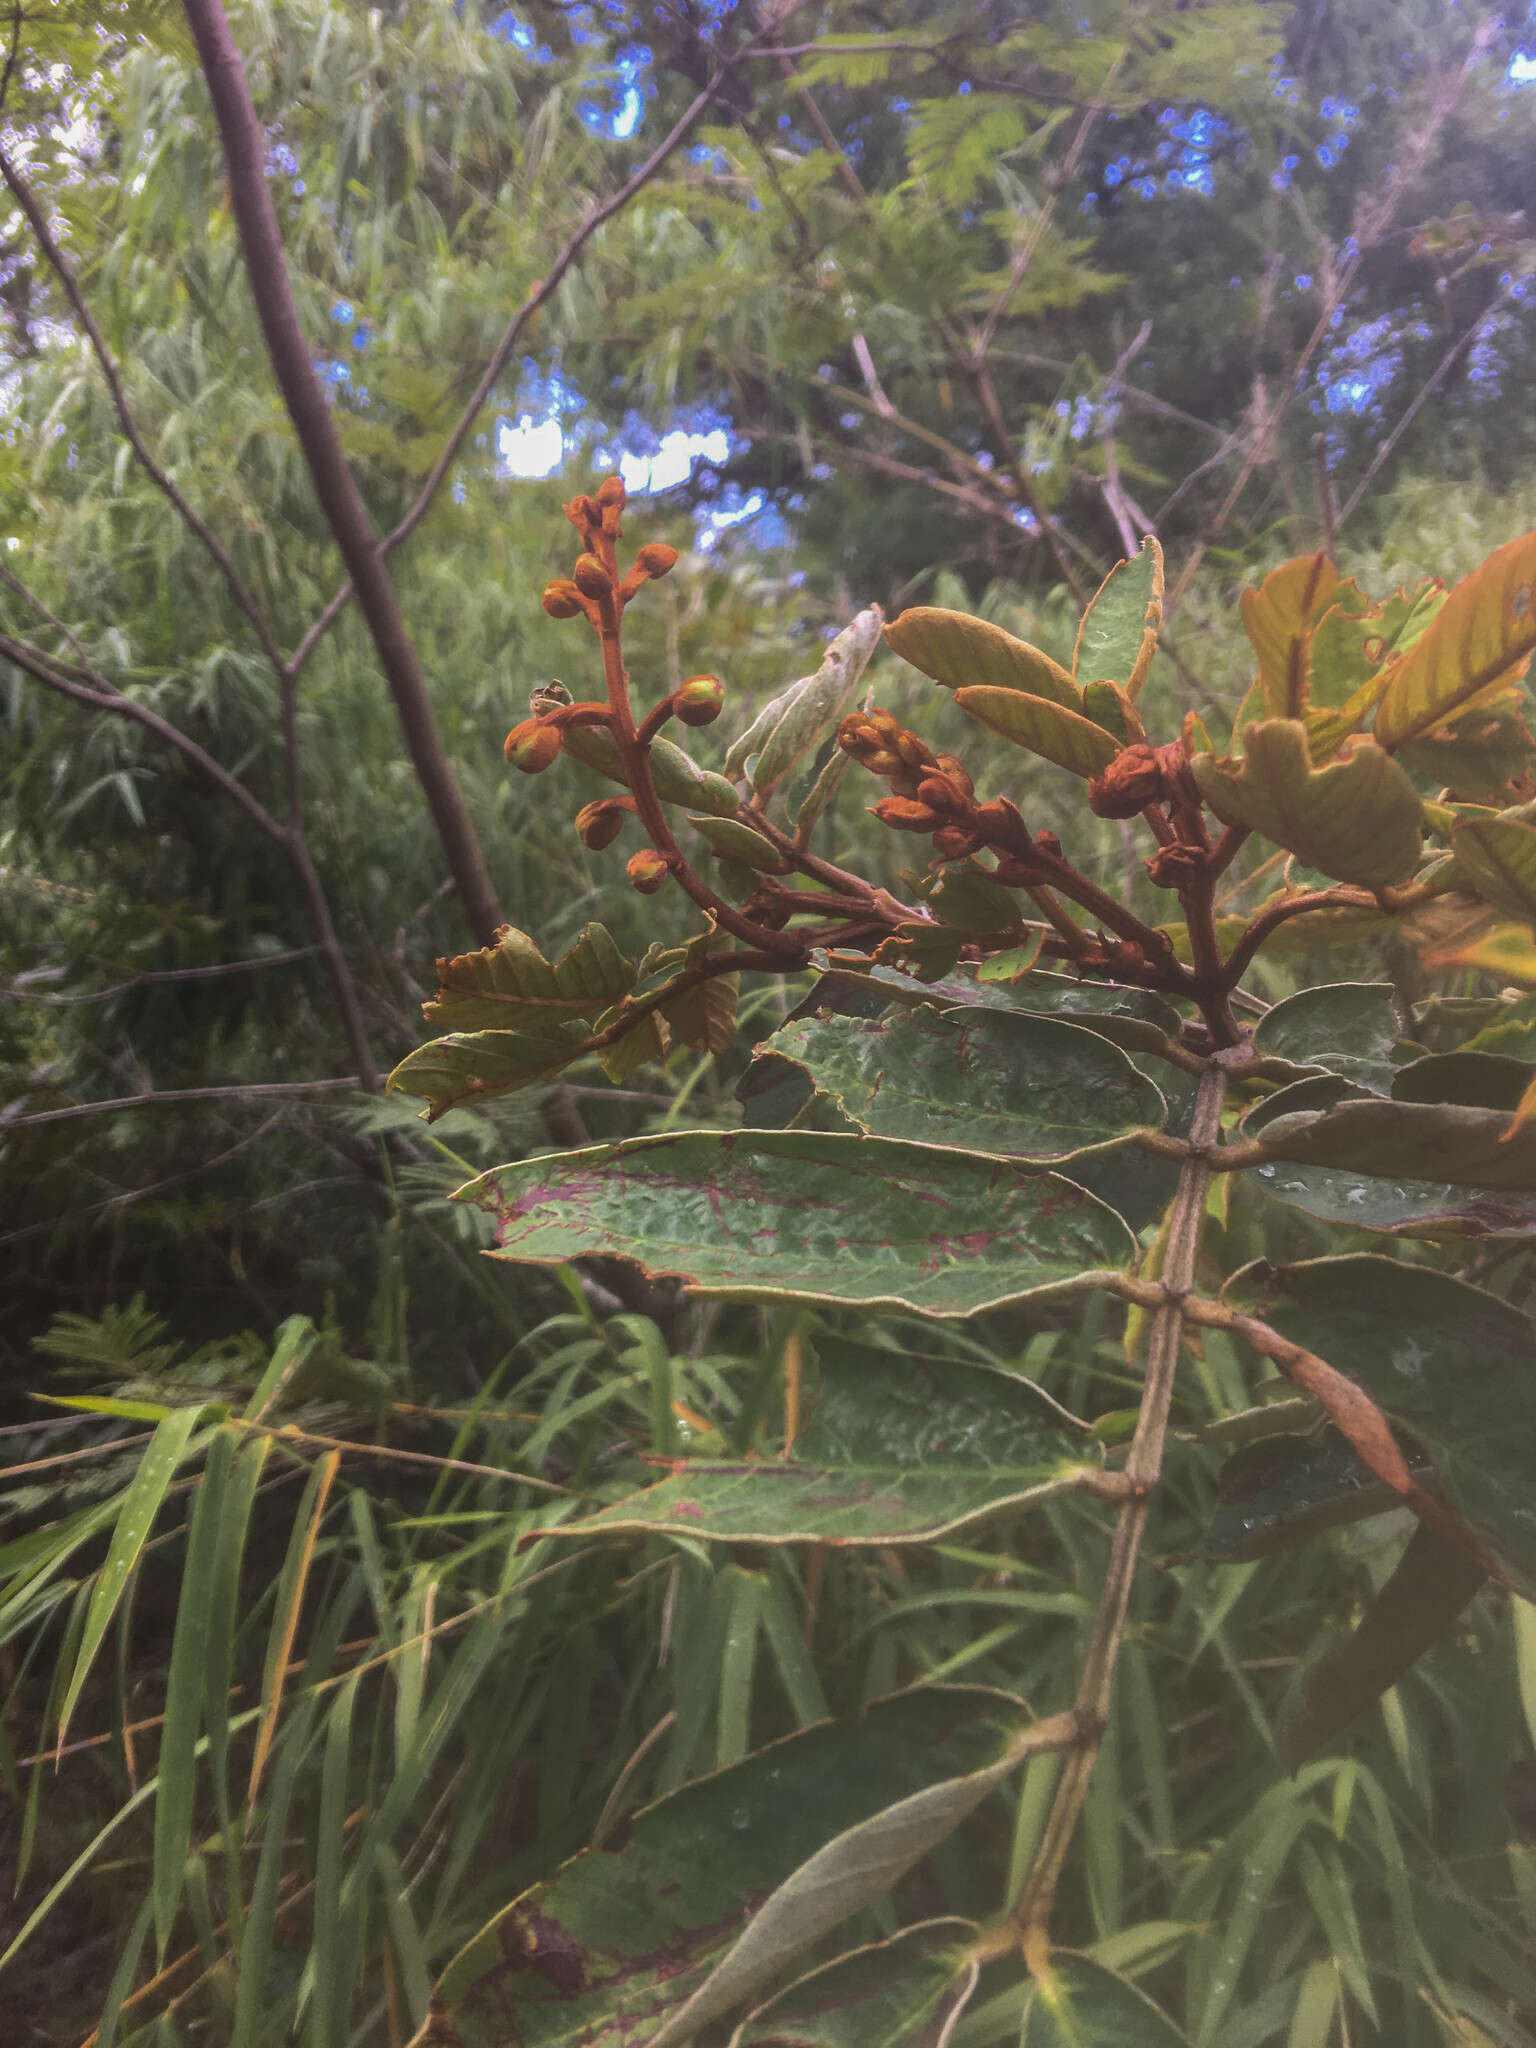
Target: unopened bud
611 492
1132 780
959 775
656 558
1049 843
953 842
912 750
561 599
939 791
591 578
600 823
647 870
532 746
903 815
699 700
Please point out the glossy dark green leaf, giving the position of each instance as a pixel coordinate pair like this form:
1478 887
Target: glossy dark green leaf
1080 2004
895 1451
718 1887
802 1216
1284 1490
1348 1027
1316 1092
1400 1206
473 1066
1472 1148
893 1994
1419 1604
995 1082
1475 1080
1447 1361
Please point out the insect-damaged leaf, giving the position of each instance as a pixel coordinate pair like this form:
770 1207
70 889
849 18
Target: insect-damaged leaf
896 1451
1118 634
1077 2003
1358 818
1496 858
796 722
1445 1360
1481 636
472 1066
649 1941
894 1994
960 652
802 1216
511 986
1001 1083
1050 730
1279 618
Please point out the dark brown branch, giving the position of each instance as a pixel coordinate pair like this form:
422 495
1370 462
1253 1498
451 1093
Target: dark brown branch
293 365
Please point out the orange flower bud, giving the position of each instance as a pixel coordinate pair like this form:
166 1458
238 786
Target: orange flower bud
957 772
940 792
953 842
656 558
699 700
647 870
599 824
611 492
912 750
1132 780
561 599
532 746
591 578
903 815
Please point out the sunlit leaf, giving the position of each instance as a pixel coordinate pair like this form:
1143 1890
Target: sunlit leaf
1118 634
1509 951
895 1451
998 1082
720 1886
962 652
1043 727
1357 818
802 1216
1481 636
511 986
1448 1361
892 1994
1279 617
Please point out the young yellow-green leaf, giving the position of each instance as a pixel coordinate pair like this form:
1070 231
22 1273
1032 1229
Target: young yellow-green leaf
1358 818
961 653
1418 1605
636 1048
1279 618
1496 858
896 1450
720 1886
1045 728
136 1516
1001 1083
796 722
1107 704
1447 1361
1077 2003
1118 635
1479 755
511 986
1509 951
472 1066
893 1994
805 1216
704 1016
728 836
1481 636
1013 965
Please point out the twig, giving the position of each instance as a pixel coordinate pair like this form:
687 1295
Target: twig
158 1098
1143 1468
161 974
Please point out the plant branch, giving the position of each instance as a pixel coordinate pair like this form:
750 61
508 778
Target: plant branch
1143 1468
159 1097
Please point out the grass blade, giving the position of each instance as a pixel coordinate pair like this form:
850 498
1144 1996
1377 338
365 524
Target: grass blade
285 1618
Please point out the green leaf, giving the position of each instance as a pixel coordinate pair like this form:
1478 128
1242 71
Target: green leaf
1045 728
1349 1027
1000 1083
1478 754
1403 1206
1077 2003
1475 1148
1279 618
896 1451
796 722
1476 1080
652 1940
678 777
511 986
1358 818
802 1216
1284 1490
893 1994
960 652
966 897
1481 636
728 836
1448 1361
136 1516
1496 857
1118 634
704 1016
1418 1605
473 1066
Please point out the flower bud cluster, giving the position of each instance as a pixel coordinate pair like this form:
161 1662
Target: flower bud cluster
930 792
